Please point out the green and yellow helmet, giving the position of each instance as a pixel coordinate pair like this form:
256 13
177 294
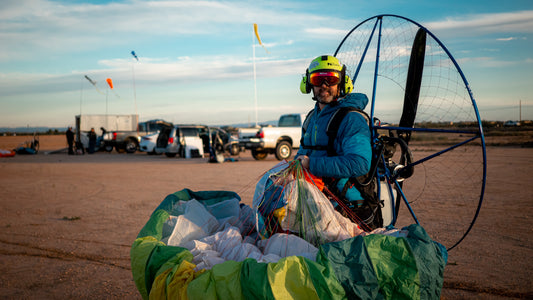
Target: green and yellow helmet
327 63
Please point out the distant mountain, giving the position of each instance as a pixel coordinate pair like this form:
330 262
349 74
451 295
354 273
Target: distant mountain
247 125
31 129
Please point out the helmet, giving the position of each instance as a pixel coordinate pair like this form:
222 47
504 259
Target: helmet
327 63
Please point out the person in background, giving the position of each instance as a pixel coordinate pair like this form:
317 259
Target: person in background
70 140
92 141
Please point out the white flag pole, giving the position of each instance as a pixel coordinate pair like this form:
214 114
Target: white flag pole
255 79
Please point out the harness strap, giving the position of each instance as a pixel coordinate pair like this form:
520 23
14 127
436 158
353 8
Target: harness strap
334 124
304 128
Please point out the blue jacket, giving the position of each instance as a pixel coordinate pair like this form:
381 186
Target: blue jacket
352 144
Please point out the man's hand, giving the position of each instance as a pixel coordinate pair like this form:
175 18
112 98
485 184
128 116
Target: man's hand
304 160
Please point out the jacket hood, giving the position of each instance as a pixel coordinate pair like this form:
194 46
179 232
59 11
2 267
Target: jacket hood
357 100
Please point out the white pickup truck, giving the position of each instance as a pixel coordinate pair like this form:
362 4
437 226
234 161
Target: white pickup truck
280 140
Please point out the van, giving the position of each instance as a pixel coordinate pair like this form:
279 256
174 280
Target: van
187 141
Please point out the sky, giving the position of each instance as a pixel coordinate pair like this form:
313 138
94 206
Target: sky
196 58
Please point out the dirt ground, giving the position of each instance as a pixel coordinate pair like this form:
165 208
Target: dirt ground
68 222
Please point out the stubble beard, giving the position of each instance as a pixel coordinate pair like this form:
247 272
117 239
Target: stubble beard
324 95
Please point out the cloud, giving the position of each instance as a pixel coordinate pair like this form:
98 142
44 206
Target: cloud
48 46
327 31
488 62
506 39
153 71
274 44
518 22
512 38
27 26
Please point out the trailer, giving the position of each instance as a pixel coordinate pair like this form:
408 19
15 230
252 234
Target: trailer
84 123
103 124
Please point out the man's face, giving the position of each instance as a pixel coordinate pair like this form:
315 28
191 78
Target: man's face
325 94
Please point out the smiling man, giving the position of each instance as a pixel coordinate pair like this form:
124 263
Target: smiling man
346 152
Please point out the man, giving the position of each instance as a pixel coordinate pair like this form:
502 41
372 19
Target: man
92 141
352 152
70 140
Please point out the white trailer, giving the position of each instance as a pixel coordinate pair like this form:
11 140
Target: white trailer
84 123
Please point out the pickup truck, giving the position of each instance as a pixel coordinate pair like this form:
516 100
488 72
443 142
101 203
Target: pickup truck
128 141
280 140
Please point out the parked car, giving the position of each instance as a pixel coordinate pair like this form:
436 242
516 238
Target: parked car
148 142
511 123
129 140
195 141
183 140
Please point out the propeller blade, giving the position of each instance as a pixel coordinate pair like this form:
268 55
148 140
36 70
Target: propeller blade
413 82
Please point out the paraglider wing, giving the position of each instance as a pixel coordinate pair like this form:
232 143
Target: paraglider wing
362 267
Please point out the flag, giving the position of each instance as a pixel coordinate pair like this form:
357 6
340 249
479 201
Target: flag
258 38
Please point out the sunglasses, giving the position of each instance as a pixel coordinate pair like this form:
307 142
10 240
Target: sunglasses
330 78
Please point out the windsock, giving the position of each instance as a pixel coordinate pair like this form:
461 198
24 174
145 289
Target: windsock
258 38
134 55
94 84
110 82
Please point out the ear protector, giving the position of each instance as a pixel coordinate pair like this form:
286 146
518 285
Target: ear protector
305 86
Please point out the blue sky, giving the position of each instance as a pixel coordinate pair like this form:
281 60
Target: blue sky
196 63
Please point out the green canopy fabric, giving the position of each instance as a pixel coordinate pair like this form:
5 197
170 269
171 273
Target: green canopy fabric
364 267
